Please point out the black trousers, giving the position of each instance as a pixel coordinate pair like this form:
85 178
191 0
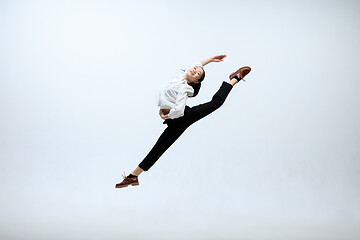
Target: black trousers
178 125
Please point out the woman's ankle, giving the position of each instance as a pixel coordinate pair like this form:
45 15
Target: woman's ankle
137 171
233 81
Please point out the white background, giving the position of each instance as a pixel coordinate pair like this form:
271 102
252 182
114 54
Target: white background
279 160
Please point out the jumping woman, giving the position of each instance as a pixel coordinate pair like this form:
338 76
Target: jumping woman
177 115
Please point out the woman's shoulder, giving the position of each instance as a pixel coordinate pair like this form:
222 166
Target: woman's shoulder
188 89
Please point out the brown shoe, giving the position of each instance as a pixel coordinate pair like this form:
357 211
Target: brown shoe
128 181
240 74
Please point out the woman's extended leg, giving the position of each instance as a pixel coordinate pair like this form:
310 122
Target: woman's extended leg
193 114
167 138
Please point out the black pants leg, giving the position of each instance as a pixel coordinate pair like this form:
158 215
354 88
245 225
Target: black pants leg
193 114
177 126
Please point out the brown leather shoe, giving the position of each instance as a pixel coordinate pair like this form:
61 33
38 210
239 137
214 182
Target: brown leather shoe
128 181
240 74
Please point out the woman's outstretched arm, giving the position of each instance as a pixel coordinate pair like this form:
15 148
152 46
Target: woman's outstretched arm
218 58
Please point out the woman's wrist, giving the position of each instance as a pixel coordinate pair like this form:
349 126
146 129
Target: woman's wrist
206 61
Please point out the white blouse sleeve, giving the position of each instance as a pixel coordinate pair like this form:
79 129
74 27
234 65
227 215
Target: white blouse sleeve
179 107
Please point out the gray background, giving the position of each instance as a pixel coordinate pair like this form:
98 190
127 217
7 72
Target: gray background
279 160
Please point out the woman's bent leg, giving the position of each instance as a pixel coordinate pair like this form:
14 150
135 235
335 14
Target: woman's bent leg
195 113
167 138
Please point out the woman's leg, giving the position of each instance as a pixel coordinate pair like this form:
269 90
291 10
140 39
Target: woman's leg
167 138
193 114
138 170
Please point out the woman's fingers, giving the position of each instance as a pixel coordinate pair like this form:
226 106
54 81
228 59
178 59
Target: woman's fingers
164 113
163 116
219 58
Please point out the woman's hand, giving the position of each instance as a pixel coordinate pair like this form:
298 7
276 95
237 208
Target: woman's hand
218 58
164 113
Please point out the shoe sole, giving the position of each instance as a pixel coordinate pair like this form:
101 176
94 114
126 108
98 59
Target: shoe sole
122 186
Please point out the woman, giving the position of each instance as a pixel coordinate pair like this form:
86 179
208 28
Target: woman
177 115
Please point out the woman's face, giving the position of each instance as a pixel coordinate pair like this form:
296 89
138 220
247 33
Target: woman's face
194 74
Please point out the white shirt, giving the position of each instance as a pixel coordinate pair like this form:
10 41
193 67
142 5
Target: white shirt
174 94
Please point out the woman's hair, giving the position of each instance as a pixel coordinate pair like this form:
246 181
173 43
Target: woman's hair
197 87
